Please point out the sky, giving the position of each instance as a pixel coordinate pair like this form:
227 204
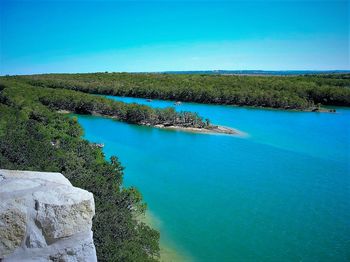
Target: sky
152 36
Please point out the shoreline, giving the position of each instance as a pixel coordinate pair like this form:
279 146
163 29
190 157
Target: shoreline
322 109
168 252
213 130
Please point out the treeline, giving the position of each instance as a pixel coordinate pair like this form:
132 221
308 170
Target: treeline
82 103
292 92
35 137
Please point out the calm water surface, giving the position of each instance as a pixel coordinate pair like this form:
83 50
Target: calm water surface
280 194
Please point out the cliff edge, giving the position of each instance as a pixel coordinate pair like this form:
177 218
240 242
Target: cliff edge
44 218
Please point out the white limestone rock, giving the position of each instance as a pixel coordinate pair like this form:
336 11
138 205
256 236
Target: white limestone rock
12 228
34 175
64 212
35 237
44 218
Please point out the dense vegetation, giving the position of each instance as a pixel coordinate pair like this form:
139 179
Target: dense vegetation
35 137
292 92
132 113
81 103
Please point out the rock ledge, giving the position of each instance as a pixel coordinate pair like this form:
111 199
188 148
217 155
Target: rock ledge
44 218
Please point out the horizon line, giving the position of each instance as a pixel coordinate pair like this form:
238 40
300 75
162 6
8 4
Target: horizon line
194 71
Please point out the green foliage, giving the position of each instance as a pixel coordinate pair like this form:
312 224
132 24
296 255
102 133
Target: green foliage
292 92
34 137
81 103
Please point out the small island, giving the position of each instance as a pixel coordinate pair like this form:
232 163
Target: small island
186 127
211 129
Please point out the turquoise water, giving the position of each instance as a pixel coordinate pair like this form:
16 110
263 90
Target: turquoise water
282 193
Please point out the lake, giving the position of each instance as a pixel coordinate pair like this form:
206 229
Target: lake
281 193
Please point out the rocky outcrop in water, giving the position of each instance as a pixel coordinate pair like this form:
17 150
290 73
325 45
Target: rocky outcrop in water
44 218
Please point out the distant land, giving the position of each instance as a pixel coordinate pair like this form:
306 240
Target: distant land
224 72
259 72
292 92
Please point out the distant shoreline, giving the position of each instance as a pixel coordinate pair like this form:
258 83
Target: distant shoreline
247 72
255 72
322 109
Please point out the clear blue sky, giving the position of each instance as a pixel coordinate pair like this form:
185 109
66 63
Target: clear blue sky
88 36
